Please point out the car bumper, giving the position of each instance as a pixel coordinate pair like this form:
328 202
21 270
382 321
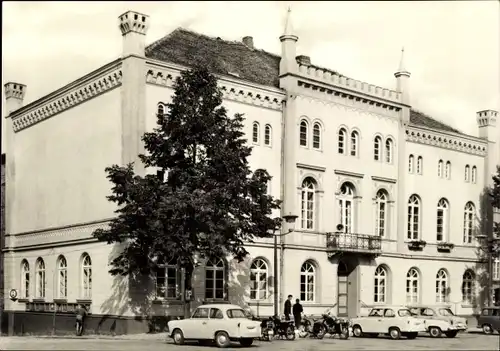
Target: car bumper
251 333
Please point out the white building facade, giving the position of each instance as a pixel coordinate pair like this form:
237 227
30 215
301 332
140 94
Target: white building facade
407 189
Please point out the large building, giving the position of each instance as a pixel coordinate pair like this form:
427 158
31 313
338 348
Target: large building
407 189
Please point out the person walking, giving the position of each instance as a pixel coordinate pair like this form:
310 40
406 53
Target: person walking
297 313
81 313
288 307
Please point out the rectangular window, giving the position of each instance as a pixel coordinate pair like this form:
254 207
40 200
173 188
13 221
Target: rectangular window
167 282
440 225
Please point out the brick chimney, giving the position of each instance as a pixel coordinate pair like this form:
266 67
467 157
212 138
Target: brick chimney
248 41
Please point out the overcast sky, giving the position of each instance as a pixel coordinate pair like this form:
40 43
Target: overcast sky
451 48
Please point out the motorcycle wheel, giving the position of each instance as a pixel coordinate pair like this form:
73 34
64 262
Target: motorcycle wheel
344 334
321 333
290 333
303 333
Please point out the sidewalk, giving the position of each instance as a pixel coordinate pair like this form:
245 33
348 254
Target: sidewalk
144 336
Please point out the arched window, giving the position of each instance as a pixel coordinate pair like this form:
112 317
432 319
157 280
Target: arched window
317 136
25 279
342 141
62 278
412 286
413 218
440 169
380 285
160 109
441 286
467 173
474 174
468 287
267 135
411 165
448 170
258 280
469 222
381 211
255 132
442 220
303 133
215 280
420 164
308 204
354 143
389 148
167 280
346 207
307 282
377 147
86 277
40 278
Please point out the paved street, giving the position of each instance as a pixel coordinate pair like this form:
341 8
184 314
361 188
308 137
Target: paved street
156 342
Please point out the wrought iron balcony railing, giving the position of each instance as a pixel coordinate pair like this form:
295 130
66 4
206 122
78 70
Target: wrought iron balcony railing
349 242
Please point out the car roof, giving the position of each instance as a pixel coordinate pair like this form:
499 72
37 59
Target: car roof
428 306
221 306
389 306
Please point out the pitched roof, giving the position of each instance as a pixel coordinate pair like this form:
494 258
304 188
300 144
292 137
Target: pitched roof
418 118
188 48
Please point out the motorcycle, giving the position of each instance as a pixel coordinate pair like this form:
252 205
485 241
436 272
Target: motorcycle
334 326
311 327
283 329
266 326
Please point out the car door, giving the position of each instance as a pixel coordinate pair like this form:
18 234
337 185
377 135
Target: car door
389 320
216 322
495 319
371 323
198 326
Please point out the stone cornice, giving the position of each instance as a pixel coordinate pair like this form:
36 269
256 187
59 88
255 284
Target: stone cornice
348 173
95 83
233 89
346 102
311 167
456 142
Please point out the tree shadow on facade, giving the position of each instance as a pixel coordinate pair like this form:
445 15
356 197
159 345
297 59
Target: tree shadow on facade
485 230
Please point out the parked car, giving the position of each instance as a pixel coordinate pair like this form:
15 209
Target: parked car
395 321
489 320
439 320
222 323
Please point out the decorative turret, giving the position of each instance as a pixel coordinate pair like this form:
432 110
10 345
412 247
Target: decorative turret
288 40
403 80
134 26
14 96
487 124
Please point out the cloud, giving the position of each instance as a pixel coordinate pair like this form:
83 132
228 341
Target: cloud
452 48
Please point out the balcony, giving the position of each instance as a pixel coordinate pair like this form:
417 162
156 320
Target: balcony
348 243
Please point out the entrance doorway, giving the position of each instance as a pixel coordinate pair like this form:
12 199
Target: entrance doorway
343 289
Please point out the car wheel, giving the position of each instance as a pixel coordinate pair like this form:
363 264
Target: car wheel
411 336
435 332
246 342
178 337
222 339
395 333
487 329
356 331
451 334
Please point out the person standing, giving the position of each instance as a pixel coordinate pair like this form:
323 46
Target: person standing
288 307
81 313
297 313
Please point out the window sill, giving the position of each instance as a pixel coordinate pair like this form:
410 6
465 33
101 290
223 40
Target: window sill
39 299
167 302
23 299
61 300
84 300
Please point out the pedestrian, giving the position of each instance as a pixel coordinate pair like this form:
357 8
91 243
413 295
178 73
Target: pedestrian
297 313
288 307
81 313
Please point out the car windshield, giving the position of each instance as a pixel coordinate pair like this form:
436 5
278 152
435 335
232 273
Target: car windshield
405 313
236 313
445 312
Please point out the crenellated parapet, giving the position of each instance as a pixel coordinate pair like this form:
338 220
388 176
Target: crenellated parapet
74 94
232 89
333 78
456 142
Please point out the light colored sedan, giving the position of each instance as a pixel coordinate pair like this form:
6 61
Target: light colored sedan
222 323
395 321
439 320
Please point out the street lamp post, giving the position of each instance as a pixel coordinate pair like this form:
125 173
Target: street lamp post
290 220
